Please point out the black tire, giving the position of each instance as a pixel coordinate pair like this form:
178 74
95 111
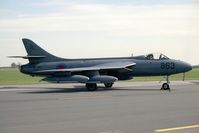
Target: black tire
165 86
91 86
108 85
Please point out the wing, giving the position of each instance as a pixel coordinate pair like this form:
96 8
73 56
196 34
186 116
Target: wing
104 66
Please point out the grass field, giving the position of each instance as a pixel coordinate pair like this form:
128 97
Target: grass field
13 76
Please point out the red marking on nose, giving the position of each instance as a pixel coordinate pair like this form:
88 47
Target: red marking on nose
60 67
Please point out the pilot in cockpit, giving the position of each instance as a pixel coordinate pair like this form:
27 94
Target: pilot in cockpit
149 57
156 56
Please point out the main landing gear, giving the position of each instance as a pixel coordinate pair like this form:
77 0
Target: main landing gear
93 86
165 86
108 85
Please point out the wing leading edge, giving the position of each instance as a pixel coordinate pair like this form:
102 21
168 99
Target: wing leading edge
104 66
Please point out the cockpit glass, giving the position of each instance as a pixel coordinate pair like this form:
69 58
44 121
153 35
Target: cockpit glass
156 56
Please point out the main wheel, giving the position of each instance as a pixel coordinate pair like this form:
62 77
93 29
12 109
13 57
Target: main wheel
165 86
108 85
91 86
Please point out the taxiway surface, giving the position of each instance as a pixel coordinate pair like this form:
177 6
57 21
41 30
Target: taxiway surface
129 107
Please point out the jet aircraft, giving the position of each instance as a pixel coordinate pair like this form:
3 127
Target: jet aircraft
92 71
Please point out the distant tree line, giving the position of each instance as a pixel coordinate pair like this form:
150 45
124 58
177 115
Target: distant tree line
15 65
195 66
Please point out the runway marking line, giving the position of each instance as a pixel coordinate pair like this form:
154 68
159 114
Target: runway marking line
176 128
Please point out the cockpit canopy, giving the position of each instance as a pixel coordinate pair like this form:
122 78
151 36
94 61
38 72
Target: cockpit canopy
156 56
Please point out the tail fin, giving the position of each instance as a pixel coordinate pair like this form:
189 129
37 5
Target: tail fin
36 54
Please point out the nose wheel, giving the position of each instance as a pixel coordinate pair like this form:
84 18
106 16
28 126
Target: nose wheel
165 86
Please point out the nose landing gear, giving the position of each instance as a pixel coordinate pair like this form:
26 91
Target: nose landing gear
165 86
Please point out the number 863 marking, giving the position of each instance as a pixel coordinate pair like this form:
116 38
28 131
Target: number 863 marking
167 65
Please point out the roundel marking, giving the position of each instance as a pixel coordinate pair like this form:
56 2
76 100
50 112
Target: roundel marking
61 66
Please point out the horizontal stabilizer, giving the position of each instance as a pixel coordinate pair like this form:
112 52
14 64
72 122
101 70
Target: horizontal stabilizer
26 57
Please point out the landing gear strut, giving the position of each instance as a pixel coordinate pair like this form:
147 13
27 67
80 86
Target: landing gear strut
165 86
91 86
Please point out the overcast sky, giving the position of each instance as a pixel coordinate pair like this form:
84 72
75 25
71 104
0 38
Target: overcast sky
101 28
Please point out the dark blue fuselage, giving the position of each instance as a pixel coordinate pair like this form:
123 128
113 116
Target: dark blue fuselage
143 67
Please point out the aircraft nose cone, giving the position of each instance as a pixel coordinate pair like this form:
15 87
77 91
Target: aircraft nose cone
187 67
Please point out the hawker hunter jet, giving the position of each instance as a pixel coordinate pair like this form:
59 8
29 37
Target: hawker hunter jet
97 70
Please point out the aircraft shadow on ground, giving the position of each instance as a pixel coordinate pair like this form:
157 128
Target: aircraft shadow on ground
77 89
57 90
